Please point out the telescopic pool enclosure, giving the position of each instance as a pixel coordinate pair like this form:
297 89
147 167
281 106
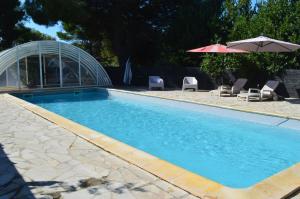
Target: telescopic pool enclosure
48 64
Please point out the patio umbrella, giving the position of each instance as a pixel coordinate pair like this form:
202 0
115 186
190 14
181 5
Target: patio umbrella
263 44
127 73
216 48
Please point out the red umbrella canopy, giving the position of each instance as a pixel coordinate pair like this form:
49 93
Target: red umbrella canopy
216 48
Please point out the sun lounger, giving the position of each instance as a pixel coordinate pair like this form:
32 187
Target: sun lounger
268 91
235 89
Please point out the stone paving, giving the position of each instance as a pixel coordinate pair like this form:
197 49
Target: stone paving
41 160
287 108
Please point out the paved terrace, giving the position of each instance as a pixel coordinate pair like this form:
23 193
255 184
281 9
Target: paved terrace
41 160
287 108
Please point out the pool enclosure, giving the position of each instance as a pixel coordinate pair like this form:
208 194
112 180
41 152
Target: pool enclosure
48 64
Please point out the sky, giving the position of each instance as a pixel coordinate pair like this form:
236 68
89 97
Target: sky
43 29
53 29
46 30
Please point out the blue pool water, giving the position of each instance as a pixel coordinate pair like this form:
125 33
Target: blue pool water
229 150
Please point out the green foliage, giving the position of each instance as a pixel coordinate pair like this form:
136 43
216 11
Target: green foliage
10 16
28 34
133 27
50 11
277 19
195 24
216 65
12 30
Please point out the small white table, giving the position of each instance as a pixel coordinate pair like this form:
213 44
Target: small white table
247 96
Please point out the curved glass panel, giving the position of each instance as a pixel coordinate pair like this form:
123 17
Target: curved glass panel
33 71
3 79
51 72
87 78
12 76
70 72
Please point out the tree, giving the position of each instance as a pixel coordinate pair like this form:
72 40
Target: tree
28 34
10 16
129 27
277 19
195 24
12 29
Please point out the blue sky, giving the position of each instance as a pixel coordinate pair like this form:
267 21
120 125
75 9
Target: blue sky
53 29
46 30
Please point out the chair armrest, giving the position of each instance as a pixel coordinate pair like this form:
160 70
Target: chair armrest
253 90
267 91
226 87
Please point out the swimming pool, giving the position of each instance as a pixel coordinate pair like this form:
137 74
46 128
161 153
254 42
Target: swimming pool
233 148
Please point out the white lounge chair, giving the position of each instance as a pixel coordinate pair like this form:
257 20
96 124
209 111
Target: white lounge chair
267 92
156 82
189 83
237 87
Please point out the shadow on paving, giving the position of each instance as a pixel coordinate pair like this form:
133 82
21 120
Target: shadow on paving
13 186
93 186
293 101
293 195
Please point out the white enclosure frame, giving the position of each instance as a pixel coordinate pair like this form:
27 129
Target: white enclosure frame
14 55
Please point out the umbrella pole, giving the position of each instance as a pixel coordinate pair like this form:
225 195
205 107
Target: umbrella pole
223 66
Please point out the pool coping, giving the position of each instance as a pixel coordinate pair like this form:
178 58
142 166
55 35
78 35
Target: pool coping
277 186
